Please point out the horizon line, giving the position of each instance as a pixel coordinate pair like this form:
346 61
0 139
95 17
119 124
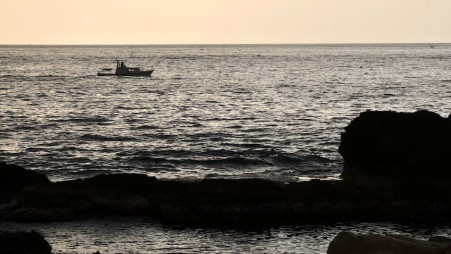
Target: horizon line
225 44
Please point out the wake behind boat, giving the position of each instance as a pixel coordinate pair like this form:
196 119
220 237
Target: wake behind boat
123 70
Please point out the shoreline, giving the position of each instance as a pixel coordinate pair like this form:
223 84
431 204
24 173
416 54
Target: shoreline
230 203
389 174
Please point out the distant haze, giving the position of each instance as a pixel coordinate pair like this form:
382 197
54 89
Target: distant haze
223 21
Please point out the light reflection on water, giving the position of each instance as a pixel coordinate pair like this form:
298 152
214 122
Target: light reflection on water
120 235
207 111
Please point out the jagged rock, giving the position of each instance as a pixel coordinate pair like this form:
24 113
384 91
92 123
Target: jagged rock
14 178
350 243
229 202
119 182
396 146
23 243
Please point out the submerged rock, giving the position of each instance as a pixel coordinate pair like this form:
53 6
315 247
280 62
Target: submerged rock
23 243
392 146
351 243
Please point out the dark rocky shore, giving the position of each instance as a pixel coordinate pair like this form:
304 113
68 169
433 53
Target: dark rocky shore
232 203
396 168
23 243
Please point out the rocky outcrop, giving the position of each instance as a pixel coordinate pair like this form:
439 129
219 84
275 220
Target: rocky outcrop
391 146
23 243
350 243
14 178
230 203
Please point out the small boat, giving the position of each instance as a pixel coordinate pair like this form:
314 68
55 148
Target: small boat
123 70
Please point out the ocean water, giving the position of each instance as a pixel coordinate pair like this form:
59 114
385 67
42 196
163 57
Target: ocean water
118 235
268 111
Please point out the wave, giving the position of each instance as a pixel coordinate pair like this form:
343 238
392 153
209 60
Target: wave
19 78
83 120
25 127
234 127
220 157
203 161
33 76
97 137
257 130
145 127
231 119
238 160
154 160
247 145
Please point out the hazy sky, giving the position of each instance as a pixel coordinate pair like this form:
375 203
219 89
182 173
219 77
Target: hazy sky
223 21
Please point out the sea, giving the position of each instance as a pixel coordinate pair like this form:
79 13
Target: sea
208 111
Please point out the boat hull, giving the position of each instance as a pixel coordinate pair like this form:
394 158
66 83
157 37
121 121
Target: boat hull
130 74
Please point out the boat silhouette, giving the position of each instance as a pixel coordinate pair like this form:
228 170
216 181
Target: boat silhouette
123 70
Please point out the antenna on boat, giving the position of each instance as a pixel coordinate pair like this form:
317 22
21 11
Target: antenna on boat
118 62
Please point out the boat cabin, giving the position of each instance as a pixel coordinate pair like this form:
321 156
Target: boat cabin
121 68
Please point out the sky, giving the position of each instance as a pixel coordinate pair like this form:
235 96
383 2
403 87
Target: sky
224 21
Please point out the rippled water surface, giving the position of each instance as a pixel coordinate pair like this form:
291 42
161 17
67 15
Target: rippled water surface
207 111
121 236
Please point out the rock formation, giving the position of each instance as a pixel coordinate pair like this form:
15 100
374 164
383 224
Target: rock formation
23 243
14 178
393 147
